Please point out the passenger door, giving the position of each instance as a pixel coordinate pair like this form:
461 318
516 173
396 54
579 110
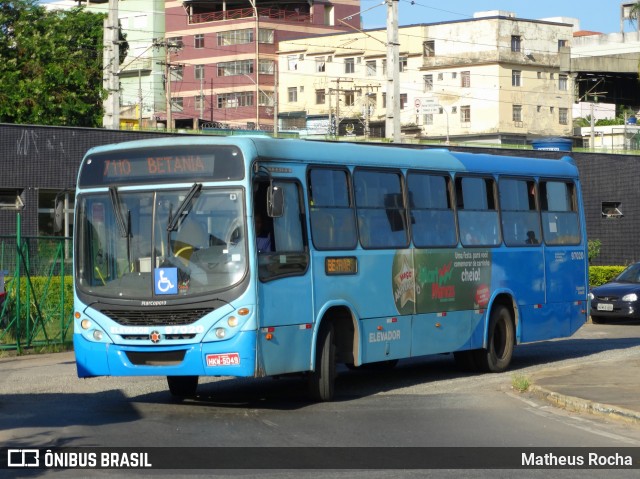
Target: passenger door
284 285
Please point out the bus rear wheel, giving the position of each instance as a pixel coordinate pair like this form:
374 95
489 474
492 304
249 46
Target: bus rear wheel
322 379
500 341
182 386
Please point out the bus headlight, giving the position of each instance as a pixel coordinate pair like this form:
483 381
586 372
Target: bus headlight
85 324
97 335
220 333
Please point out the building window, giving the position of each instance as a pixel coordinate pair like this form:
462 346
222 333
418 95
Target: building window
239 67
465 79
517 113
321 97
266 67
371 68
454 75
516 43
175 42
403 100
562 43
440 76
428 82
199 102
402 63
266 35
465 114
429 48
199 72
349 65
266 99
292 62
177 103
292 93
428 118
235 99
516 78
198 40
320 65
177 72
384 66
611 209
349 98
384 100
563 116
235 37
454 109
563 82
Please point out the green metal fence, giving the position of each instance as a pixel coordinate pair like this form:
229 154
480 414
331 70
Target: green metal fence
38 300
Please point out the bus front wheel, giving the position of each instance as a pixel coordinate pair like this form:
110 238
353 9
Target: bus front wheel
500 341
182 386
322 379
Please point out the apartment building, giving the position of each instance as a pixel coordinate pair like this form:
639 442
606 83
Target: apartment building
492 78
222 56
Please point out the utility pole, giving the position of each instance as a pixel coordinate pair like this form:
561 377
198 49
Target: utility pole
257 64
338 92
167 75
111 65
392 124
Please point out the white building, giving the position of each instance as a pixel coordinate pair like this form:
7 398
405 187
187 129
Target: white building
493 78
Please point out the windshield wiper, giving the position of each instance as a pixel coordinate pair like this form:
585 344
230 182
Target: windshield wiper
115 202
172 224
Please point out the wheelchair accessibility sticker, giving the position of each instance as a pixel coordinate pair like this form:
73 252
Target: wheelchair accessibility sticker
166 280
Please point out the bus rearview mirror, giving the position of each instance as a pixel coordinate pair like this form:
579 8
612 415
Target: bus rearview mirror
275 202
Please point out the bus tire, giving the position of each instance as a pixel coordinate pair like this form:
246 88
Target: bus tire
182 386
500 341
322 379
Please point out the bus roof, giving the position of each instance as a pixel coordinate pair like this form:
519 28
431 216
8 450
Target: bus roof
360 154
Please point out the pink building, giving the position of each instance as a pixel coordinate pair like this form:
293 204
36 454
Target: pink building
220 75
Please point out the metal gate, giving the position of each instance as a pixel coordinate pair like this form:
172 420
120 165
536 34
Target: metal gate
37 304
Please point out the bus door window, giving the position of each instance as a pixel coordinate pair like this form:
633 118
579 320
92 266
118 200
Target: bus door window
520 219
477 211
331 211
288 254
433 220
559 213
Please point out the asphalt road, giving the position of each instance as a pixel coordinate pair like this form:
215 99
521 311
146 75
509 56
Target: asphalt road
420 403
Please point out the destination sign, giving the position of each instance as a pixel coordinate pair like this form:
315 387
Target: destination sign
162 165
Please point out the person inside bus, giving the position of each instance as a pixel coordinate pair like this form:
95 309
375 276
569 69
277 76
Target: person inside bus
531 238
263 235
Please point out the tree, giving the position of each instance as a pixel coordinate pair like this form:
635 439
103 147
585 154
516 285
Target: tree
51 68
634 14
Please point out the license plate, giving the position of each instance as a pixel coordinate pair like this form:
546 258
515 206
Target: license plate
225 359
604 307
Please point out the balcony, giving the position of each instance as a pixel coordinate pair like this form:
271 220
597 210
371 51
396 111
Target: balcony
292 16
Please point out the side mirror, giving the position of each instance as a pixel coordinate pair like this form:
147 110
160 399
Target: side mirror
275 201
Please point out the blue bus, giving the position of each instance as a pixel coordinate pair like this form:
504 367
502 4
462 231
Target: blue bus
253 256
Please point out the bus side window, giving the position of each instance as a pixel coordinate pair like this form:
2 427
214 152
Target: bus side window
433 222
331 211
559 213
520 219
477 211
380 209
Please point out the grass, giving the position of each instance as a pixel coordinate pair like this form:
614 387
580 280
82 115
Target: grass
520 383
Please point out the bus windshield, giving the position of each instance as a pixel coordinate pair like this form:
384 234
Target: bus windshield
146 244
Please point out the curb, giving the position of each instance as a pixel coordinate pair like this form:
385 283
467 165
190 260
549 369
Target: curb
576 404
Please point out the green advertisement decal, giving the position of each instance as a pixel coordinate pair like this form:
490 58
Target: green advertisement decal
428 281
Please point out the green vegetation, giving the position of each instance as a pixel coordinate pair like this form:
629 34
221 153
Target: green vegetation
520 383
52 61
601 274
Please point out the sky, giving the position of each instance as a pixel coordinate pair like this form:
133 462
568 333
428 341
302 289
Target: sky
597 15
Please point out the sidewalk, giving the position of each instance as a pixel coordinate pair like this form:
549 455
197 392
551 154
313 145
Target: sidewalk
609 388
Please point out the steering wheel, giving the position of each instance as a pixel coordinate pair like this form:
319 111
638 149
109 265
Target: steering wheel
234 233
